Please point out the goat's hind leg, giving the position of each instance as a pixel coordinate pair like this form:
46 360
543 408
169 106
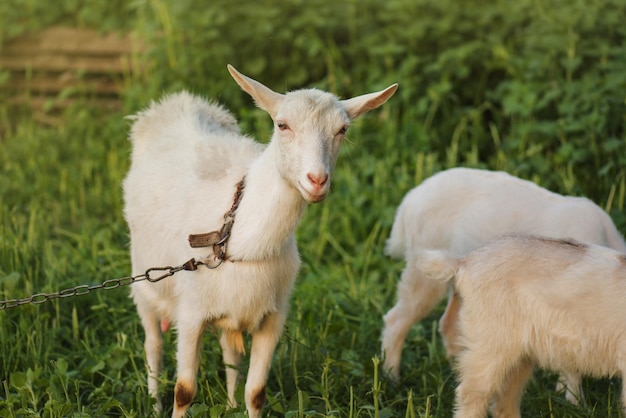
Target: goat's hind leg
507 402
153 346
417 296
571 385
623 372
483 374
448 325
232 361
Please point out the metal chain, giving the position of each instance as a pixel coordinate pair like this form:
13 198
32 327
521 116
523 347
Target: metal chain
168 271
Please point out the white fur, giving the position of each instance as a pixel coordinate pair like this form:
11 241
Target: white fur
457 211
528 300
187 158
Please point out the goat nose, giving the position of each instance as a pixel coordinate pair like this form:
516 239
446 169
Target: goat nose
317 180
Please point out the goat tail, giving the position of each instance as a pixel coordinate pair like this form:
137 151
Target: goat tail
396 245
435 264
613 238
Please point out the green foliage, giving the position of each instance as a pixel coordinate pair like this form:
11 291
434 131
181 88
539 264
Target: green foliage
536 88
18 17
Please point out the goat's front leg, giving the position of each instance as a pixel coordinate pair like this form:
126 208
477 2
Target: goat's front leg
232 360
188 361
264 342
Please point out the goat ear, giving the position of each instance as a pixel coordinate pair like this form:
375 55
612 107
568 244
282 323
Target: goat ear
358 105
264 97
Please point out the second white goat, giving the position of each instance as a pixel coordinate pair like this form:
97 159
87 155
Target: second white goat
458 210
188 167
532 301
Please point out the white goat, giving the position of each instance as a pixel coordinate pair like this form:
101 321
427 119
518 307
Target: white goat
457 211
187 159
528 300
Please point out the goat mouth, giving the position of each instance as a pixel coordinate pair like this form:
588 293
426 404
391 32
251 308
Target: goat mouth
316 198
311 197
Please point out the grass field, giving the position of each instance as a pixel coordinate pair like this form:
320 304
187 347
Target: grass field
61 225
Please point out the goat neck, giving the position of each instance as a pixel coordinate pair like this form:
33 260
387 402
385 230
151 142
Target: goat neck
268 214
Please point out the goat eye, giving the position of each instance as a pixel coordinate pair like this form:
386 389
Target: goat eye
343 130
282 126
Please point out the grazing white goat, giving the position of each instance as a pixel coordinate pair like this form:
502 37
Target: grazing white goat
529 300
458 210
188 162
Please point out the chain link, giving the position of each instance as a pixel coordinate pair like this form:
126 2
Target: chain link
153 275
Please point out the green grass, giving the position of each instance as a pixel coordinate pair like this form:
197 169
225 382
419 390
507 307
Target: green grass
533 88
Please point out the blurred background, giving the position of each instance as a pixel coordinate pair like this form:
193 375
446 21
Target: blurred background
535 87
